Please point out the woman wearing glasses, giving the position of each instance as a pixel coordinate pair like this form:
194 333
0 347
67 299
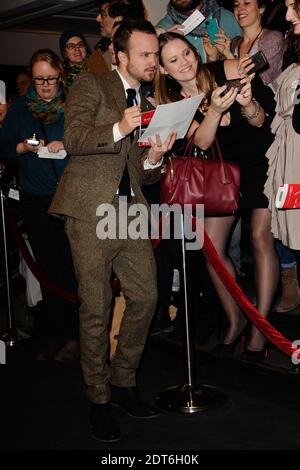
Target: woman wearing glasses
74 50
36 120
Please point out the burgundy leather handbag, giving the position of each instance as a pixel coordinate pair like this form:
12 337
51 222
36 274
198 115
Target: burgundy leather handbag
212 182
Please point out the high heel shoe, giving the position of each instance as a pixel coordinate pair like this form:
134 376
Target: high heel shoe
256 356
228 349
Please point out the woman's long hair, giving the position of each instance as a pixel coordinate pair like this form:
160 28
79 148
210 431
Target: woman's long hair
169 90
293 40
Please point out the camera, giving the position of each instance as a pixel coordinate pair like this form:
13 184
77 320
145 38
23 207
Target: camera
32 140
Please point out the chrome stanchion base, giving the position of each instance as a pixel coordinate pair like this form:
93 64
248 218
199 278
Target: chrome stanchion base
10 337
187 399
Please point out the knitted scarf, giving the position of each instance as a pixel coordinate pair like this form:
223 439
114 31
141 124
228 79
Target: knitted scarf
72 71
208 8
46 111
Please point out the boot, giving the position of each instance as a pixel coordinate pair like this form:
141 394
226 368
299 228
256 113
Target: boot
290 297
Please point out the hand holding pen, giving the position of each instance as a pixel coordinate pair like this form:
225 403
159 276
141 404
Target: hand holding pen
131 119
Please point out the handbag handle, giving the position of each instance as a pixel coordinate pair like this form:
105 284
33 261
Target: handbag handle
217 155
226 177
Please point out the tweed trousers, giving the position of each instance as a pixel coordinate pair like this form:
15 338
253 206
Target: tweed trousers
133 263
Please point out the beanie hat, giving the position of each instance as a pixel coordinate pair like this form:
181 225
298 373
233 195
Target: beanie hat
65 36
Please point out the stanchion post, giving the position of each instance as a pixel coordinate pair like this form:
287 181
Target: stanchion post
10 334
189 398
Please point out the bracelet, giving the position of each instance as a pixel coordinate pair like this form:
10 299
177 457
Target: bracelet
256 112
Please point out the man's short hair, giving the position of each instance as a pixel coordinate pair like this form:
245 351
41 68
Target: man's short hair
124 32
125 8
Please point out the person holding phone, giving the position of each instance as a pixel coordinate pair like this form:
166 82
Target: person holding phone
179 10
33 120
238 119
249 14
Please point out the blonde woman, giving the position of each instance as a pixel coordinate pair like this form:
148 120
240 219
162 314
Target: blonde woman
238 120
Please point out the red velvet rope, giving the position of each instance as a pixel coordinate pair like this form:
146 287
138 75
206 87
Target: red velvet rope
251 312
41 277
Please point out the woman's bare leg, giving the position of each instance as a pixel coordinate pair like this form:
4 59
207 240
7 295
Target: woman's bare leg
219 229
266 269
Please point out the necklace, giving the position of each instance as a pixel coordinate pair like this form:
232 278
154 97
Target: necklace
251 44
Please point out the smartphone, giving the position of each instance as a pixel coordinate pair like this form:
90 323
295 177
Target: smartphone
234 83
260 62
32 140
212 29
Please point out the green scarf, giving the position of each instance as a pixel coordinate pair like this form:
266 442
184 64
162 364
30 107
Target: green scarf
72 71
46 111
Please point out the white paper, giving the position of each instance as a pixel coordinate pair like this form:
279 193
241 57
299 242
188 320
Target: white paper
43 152
172 117
14 194
192 22
281 195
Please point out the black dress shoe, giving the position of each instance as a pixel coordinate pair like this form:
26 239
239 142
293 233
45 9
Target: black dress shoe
128 399
103 424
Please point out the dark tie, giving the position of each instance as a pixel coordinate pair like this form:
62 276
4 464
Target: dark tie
124 186
131 97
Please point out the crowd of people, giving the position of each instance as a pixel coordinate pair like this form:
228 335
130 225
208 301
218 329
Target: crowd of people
84 109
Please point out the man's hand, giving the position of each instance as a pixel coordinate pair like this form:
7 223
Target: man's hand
176 28
158 149
131 120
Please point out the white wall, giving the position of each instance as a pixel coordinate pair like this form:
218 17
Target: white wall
17 48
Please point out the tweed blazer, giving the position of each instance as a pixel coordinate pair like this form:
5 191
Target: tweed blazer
96 164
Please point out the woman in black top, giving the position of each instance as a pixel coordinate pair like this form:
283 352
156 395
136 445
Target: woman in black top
241 125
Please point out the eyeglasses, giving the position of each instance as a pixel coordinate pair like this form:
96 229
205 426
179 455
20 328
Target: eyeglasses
48 80
79 45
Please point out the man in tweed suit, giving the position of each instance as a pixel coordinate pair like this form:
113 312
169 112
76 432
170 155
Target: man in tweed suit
100 137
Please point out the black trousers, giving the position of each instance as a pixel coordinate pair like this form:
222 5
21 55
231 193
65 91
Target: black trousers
297 256
52 253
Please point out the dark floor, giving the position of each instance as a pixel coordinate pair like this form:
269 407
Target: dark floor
43 403
43 406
